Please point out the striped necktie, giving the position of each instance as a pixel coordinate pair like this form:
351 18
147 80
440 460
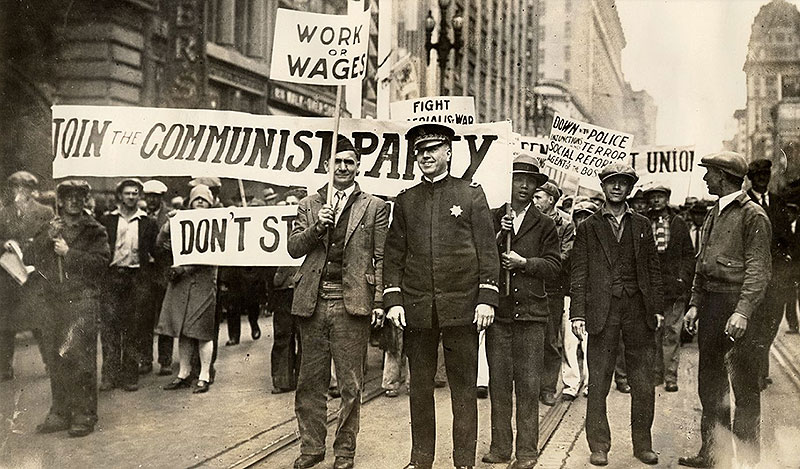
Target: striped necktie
661 235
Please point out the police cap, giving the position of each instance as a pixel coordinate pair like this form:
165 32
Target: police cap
426 135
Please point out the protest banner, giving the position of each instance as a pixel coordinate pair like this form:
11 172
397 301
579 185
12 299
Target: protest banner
670 166
320 49
233 236
140 141
448 110
585 149
534 146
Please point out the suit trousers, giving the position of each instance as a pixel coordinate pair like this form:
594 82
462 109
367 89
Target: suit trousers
72 339
155 297
626 316
668 343
791 307
460 345
769 316
286 347
721 358
514 351
553 344
330 333
121 325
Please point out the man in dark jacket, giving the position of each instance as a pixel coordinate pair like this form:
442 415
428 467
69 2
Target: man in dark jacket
779 290
515 342
21 219
676 256
733 269
71 256
616 288
441 274
131 240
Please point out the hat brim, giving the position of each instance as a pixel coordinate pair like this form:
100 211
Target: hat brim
424 144
721 168
540 178
633 178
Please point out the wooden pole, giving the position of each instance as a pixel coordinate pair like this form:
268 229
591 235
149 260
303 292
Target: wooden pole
332 157
241 193
58 258
508 250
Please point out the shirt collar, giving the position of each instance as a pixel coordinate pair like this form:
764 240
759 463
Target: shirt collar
726 200
436 178
521 212
607 213
347 192
139 213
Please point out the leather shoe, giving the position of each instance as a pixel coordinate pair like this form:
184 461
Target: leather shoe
342 462
78 430
417 465
308 460
53 423
493 458
131 387
696 461
231 342
567 397
145 368
624 388
523 464
671 387
177 383
391 393
548 399
647 457
482 392
165 370
598 458
281 390
201 386
255 333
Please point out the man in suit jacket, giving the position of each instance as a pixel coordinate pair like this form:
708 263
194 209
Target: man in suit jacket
131 241
515 343
779 290
794 248
441 277
338 289
616 287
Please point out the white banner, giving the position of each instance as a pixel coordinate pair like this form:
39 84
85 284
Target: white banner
534 146
585 149
234 236
455 110
319 49
670 166
140 141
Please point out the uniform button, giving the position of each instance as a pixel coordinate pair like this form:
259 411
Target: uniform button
516 315
516 289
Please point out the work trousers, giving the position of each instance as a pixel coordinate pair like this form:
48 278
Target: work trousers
71 335
286 346
721 359
460 345
573 371
769 316
121 325
668 343
165 344
791 307
330 333
7 344
551 360
514 351
626 316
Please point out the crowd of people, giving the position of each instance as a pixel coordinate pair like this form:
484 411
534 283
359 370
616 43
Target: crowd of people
501 303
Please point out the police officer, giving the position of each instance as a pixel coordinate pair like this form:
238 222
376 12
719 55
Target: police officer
71 256
441 272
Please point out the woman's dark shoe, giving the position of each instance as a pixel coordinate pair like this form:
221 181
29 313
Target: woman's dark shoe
178 383
231 342
201 386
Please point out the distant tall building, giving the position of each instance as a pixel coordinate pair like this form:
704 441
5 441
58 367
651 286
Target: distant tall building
641 113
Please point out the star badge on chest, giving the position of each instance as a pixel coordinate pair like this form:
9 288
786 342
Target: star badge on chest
456 211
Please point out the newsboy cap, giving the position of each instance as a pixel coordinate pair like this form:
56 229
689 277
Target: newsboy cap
23 178
526 164
585 206
761 165
73 185
551 189
154 186
658 188
728 161
618 169
426 135
129 182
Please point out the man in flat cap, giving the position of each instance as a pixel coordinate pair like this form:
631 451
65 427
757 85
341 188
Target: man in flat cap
545 199
440 279
131 241
733 270
21 219
616 289
779 292
676 255
516 341
71 256
338 294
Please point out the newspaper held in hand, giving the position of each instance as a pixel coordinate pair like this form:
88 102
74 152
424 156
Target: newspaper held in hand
11 262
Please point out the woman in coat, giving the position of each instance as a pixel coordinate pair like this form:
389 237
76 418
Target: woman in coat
188 311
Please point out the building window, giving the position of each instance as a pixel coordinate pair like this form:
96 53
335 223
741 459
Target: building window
771 84
542 5
541 57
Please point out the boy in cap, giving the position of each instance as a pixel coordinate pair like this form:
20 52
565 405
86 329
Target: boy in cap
616 288
71 256
733 270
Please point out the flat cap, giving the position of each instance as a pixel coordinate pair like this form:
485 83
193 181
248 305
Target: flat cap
23 178
526 164
550 188
761 165
618 169
727 161
585 206
699 207
129 182
658 188
154 186
73 185
638 195
208 181
426 135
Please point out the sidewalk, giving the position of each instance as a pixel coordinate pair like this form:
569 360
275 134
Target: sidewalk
153 428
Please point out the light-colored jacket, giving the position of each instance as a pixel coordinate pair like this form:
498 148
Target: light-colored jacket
362 263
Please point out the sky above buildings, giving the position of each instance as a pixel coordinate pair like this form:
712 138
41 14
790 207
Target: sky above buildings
689 54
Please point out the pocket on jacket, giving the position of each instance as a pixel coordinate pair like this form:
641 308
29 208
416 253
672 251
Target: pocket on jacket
730 262
370 278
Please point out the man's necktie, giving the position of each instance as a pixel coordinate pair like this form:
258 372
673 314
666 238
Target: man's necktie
338 205
661 235
697 239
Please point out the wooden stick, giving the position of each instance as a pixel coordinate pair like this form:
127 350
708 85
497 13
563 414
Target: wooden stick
241 193
508 250
58 258
332 157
